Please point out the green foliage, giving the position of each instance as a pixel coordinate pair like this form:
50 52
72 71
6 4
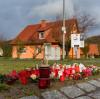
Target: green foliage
96 71
1 78
7 49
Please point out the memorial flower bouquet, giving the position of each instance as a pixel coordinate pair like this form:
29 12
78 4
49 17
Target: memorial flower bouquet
95 70
34 75
11 77
75 71
60 72
23 76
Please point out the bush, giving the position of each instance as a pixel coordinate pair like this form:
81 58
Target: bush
7 49
1 78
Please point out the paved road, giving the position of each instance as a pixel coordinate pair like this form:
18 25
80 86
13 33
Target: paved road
87 90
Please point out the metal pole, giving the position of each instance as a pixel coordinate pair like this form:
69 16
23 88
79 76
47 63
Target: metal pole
63 46
63 13
64 29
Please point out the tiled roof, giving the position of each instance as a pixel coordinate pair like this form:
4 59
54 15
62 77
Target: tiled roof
26 34
31 33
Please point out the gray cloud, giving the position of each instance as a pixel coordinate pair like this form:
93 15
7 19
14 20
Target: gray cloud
89 6
52 8
16 14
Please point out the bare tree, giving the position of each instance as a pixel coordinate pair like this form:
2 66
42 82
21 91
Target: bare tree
5 46
2 39
86 22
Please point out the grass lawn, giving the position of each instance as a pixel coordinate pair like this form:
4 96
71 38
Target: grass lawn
9 64
18 90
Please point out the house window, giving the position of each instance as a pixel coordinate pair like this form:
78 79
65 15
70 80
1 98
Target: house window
22 50
47 50
41 35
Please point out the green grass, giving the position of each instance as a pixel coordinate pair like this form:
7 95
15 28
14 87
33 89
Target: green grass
84 61
9 64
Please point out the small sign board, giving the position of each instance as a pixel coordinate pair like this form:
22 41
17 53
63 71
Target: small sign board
77 40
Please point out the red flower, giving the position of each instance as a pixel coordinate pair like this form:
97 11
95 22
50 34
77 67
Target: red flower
87 72
14 74
56 72
66 72
70 70
23 76
62 78
76 76
23 80
35 72
77 69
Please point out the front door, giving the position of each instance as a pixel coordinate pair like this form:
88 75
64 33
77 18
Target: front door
52 53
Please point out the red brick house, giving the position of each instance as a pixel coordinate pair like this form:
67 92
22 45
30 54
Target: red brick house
42 40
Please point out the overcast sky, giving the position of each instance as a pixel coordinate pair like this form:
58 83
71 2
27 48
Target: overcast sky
15 15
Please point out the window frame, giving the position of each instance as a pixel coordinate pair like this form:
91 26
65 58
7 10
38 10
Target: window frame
22 50
41 35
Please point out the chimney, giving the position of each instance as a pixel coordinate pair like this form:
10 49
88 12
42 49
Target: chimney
43 23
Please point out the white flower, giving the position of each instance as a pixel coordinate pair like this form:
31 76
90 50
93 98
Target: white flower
60 73
33 76
81 67
52 75
57 66
68 66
